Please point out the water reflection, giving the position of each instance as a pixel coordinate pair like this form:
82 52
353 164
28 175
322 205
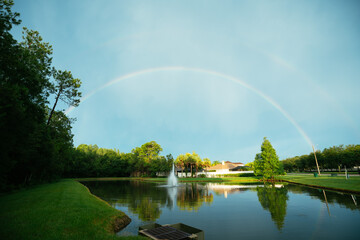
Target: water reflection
141 198
342 199
273 199
150 202
191 196
172 192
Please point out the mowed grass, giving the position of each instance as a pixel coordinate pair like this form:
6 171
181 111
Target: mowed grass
62 210
336 183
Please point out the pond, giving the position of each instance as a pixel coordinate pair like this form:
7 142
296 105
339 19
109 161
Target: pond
236 211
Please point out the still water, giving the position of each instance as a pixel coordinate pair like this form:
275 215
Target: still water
235 211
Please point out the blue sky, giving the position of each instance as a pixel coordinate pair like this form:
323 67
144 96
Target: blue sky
224 74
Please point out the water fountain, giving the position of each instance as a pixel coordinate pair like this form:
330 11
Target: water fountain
172 180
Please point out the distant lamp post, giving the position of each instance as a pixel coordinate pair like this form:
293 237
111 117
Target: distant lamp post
317 165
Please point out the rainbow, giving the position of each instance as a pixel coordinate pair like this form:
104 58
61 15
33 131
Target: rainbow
204 71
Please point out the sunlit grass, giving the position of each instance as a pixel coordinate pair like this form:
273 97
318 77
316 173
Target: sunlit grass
62 210
336 183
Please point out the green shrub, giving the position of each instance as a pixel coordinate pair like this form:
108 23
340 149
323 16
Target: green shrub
239 175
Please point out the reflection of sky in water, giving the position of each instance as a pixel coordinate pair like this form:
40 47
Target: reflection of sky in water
225 211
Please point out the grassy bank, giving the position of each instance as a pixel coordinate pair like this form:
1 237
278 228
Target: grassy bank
336 183
224 179
62 210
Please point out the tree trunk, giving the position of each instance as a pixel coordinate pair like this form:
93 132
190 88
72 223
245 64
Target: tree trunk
53 109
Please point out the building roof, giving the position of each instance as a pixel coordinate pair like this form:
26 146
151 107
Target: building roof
225 165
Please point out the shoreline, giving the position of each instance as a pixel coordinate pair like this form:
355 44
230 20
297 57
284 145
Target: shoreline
60 210
322 187
322 182
117 223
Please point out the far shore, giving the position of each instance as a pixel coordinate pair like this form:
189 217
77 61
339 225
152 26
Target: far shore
324 181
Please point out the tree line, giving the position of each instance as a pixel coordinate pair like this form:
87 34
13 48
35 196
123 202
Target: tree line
36 140
333 158
143 161
92 161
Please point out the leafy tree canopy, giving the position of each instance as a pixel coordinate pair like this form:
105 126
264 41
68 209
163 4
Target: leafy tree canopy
267 162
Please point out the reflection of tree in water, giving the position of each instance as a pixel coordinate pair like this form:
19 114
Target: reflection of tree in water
343 199
192 196
142 199
274 200
146 209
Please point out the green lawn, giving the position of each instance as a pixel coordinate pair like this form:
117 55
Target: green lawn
336 183
62 210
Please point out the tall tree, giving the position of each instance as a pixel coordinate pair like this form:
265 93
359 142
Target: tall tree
206 163
66 88
145 154
29 149
23 92
180 162
267 162
190 162
198 162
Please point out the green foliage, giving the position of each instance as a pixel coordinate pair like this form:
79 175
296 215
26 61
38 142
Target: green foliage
92 161
267 162
31 150
250 165
66 88
192 161
239 175
180 161
206 163
215 163
147 159
330 158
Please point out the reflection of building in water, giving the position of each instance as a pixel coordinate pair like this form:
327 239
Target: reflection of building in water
229 189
